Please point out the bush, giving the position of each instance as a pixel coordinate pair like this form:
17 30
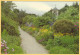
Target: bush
66 40
10 25
41 21
74 47
50 43
63 26
69 40
60 50
43 35
77 28
12 42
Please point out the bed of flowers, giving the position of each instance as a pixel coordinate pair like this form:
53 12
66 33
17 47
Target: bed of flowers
5 48
62 43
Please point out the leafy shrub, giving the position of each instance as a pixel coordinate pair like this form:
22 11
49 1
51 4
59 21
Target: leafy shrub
71 13
10 25
50 43
76 39
30 30
60 50
41 21
66 40
12 43
77 28
43 35
74 47
63 26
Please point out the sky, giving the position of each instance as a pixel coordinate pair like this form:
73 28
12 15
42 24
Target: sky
39 8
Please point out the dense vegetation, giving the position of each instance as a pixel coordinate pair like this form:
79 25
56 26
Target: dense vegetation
61 35
10 40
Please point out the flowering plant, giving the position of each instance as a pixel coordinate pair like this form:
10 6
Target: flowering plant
4 47
43 35
77 27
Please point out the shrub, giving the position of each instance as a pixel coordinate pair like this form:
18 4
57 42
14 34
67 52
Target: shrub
43 35
77 28
41 21
74 47
10 25
50 43
76 39
60 50
66 40
63 26
12 43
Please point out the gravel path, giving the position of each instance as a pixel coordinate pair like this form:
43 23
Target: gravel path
30 45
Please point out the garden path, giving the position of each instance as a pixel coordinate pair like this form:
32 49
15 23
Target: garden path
30 45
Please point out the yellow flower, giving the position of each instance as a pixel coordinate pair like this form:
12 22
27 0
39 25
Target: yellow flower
58 34
34 28
44 30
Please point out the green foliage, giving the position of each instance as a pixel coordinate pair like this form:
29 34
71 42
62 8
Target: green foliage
7 6
44 35
71 13
28 19
12 42
60 50
63 9
63 26
66 40
17 49
10 25
50 44
9 28
41 21
77 28
74 47
21 14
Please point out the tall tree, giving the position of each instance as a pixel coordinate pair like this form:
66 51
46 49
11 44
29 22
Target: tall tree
7 6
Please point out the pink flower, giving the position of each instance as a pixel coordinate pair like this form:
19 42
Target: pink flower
2 45
5 49
75 25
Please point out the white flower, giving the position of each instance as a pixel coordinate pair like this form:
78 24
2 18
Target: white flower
7 47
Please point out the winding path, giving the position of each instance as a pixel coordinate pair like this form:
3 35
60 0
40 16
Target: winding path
30 45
